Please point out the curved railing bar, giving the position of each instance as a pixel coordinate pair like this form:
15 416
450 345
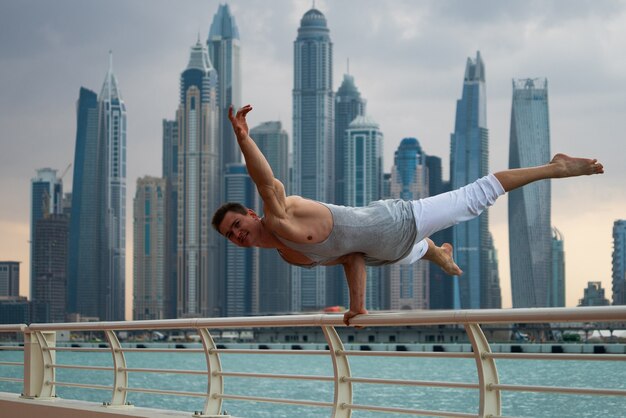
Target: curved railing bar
48 360
120 375
341 371
215 383
482 316
489 395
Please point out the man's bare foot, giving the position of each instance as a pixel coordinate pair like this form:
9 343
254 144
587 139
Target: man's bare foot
571 166
442 256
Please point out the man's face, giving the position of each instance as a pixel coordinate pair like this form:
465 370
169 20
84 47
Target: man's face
241 230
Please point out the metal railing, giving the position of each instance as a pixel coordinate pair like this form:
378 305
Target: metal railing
40 364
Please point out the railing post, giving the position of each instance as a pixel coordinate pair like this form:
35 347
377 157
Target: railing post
487 373
341 369
38 361
120 375
215 384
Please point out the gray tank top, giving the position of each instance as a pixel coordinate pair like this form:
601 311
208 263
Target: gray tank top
384 231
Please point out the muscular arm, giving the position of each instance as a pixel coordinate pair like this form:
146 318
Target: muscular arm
354 268
271 190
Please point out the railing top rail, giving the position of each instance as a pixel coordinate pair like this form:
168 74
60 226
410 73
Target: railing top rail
13 327
417 317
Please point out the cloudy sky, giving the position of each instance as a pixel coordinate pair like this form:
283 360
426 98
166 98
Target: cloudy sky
407 58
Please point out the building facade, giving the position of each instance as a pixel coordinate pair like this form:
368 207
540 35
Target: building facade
170 175
198 189
409 284
618 282
274 274
46 199
313 138
469 160
530 230
593 295
363 175
224 50
150 283
556 291
9 278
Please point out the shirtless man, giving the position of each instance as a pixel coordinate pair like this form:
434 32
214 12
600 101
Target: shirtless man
309 233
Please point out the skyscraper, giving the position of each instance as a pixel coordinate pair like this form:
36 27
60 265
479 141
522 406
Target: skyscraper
313 137
274 274
46 199
170 175
469 160
198 290
112 133
556 291
225 54
85 277
530 230
593 295
149 250
408 284
363 175
241 276
49 262
619 262
348 105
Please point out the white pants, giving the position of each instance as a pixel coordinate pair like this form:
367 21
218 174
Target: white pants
439 212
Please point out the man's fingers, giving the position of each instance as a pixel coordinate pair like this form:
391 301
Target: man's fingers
230 112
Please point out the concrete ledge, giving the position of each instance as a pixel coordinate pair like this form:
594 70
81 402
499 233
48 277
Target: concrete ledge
12 405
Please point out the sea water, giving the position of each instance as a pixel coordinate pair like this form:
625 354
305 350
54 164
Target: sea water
592 374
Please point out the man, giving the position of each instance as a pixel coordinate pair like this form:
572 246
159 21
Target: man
309 233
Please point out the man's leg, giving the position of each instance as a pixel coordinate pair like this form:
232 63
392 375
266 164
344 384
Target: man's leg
561 166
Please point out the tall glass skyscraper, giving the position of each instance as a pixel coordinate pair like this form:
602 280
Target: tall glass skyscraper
530 230
225 54
149 250
408 284
199 283
469 160
170 175
556 296
363 174
619 262
274 273
313 137
84 279
112 141
242 274
348 105
46 199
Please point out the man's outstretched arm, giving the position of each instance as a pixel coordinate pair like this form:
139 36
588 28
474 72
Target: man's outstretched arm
271 190
354 268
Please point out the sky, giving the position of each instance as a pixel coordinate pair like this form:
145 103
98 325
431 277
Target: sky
407 58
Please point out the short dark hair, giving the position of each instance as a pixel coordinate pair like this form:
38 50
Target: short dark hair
219 214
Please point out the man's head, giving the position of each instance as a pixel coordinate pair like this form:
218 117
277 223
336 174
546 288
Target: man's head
237 223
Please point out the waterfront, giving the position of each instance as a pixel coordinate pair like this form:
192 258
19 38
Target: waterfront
526 372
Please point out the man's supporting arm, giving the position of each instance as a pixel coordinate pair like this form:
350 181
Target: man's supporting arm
354 268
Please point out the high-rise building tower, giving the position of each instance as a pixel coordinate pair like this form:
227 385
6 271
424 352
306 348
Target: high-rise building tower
593 295
441 285
241 276
619 262
50 268
9 278
363 175
313 137
409 181
530 230
469 160
170 175
112 133
274 273
198 291
149 250
348 105
556 291
225 54
46 199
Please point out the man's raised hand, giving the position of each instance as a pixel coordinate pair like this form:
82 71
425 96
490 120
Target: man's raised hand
240 125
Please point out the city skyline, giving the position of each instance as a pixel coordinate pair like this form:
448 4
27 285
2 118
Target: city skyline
410 95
